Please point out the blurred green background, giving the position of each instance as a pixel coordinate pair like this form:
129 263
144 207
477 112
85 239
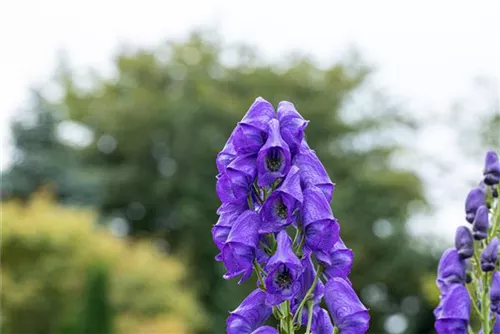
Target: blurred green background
108 203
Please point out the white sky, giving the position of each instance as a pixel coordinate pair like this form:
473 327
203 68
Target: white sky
427 52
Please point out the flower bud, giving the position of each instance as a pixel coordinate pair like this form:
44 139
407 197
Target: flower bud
474 200
464 242
489 256
480 224
491 169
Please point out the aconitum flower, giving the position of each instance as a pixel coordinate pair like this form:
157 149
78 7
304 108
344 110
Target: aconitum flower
249 315
284 269
278 210
239 250
273 160
321 229
474 200
491 170
272 185
495 292
451 270
464 243
292 125
348 313
454 311
489 256
480 225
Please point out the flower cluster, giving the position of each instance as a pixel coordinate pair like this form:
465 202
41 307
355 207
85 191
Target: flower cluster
467 274
273 186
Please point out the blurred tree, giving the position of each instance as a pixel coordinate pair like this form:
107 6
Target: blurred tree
42 159
46 252
160 121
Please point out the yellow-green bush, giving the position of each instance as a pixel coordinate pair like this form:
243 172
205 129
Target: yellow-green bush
47 250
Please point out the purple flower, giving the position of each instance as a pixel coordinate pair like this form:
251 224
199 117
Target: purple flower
250 314
322 322
306 281
273 160
227 154
489 256
348 313
284 269
265 330
480 225
451 270
241 173
341 259
278 209
495 292
239 250
474 200
452 316
321 229
312 172
292 125
228 212
464 242
491 169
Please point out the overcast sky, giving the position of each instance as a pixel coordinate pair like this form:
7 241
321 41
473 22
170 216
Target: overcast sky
427 53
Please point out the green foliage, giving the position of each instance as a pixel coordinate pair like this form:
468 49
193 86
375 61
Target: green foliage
47 250
160 121
97 317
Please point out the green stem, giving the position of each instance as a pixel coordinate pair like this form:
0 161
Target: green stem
309 293
485 303
258 271
309 316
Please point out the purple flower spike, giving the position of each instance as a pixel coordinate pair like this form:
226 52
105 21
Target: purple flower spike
239 251
312 172
464 243
454 311
480 225
251 314
278 210
491 169
495 293
284 269
451 270
320 227
292 125
341 261
347 311
265 330
241 173
489 256
273 160
474 200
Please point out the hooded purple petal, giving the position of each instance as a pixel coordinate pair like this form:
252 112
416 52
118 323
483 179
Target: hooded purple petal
453 312
265 330
489 256
284 269
241 173
341 259
306 280
312 172
273 160
320 227
474 200
451 270
259 114
248 139
250 314
227 154
323 323
347 311
278 209
495 292
480 225
491 169
239 250
229 212
292 125
464 243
